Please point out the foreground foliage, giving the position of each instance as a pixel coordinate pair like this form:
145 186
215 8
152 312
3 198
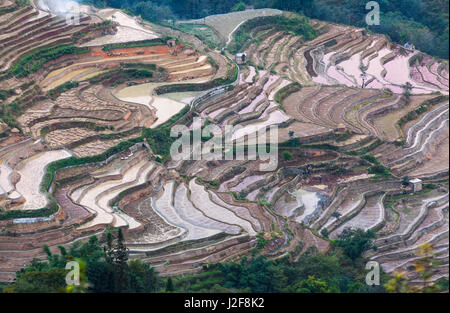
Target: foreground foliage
104 269
341 270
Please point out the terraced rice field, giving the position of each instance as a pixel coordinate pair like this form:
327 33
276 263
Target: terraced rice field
31 171
97 198
165 106
33 29
348 136
128 30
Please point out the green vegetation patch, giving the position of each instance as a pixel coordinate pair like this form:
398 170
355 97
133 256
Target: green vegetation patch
421 109
118 76
104 268
378 168
136 44
150 66
284 92
75 124
55 92
298 25
5 94
203 32
33 61
159 138
17 4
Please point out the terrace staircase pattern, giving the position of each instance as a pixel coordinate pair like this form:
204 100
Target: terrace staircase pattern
342 107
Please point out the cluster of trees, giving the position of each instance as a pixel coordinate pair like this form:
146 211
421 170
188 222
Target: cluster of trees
342 270
157 10
5 94
378 168
9 111
421 22
103 269
106 268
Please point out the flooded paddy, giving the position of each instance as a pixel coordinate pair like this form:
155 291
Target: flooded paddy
300 204
166 105
31 172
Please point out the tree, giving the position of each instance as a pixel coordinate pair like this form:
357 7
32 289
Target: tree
153 12
169 285
239 7
120 264
336 215
287 155
407 90
355 242
33 281
108 249
143 277
405 180
101 277
312 285
324 232
50 276
102 270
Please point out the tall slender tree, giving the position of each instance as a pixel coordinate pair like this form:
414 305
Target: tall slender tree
121 264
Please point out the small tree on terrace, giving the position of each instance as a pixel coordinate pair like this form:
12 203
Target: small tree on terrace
324 232
405 180
336 215
407 90
287 155
239 7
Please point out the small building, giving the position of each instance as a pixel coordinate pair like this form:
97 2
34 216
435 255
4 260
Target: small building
415 184
171 43
341 128
409 46
249 7
241 58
